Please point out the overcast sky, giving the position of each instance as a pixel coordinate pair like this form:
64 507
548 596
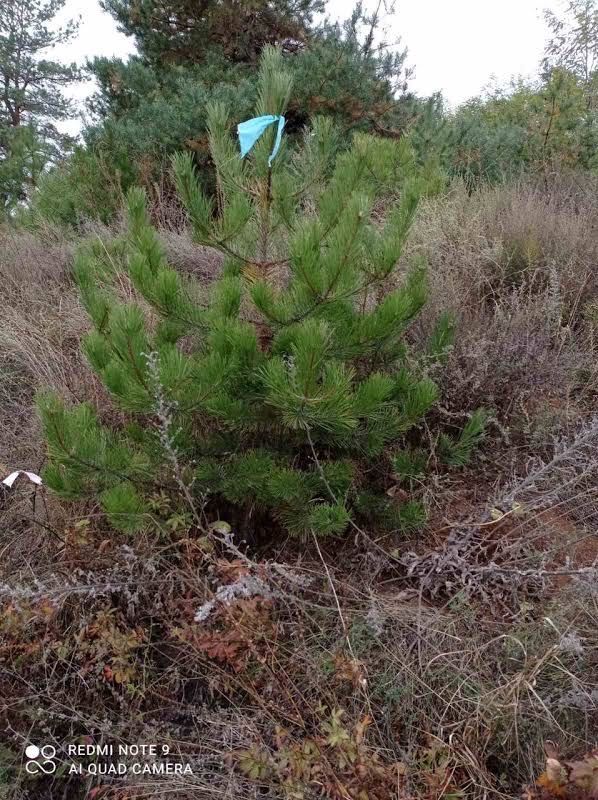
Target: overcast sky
456 46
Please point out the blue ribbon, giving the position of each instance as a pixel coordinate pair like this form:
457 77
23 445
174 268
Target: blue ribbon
250 131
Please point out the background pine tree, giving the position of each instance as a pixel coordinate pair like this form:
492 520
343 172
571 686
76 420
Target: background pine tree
284 393
190 54
184 31
33 98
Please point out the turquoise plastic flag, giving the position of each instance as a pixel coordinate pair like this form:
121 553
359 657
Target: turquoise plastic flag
250 131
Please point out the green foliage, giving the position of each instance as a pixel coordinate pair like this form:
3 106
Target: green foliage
442 337
573 45
457 452
124 507
286 388
154 105
183 31
543 127
192 57
32 98
85 186
349 70
24 157
409 465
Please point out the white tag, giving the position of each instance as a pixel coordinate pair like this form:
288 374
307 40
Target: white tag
14 475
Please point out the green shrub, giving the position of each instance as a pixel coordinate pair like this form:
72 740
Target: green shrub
84 187
285 394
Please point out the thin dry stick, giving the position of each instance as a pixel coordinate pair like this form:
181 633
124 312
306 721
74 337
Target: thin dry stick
336 600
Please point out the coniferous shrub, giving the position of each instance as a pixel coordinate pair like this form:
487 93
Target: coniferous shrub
284 393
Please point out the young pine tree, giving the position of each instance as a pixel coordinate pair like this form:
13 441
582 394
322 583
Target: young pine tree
282 394
32 99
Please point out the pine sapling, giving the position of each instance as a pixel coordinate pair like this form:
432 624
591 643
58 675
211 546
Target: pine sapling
290 383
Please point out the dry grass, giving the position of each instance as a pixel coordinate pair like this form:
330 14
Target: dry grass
431 697
41 322
448 687
202 263
516 268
